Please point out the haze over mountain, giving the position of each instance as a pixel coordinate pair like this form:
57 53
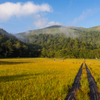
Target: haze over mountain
10 46
3 32
59 29
53 41
69 31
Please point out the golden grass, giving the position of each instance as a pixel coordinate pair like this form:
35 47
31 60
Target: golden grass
37 78
94 67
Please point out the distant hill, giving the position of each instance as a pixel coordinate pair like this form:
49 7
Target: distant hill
3 32
53 41
95 28
54 26
62 41
10 46
71 31
90 35
55 29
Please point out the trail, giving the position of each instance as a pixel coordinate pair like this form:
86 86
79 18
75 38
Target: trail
94 95
76 85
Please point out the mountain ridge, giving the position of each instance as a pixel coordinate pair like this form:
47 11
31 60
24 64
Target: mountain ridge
55 41
56 29
3 32
94 28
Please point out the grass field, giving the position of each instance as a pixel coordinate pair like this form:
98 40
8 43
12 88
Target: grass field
94 67
37 78
43 78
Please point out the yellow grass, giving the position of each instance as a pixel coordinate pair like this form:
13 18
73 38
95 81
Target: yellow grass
94 67
37 78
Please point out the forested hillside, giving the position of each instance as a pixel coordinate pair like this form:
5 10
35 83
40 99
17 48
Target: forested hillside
10 46
90 35
67 43
60 46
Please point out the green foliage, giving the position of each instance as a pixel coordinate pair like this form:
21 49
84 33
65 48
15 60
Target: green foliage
79 43
60 46
92 37
10 47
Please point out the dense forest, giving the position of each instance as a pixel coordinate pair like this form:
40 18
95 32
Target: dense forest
85 45
61 46
92 37
12 47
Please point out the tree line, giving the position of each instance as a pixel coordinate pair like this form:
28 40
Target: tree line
49 45
11 47
61 46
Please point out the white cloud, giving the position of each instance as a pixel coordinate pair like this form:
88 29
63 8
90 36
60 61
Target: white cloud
8 9
53 23
39 22
84 15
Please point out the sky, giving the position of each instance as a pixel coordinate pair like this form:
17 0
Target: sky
22 15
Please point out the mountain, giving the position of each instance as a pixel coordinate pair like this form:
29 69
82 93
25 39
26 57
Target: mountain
54 41
72 32
10 46
54 26
3 32
96 28
67 42
55 29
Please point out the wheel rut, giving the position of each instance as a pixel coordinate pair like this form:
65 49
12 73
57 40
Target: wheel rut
94 95
76 85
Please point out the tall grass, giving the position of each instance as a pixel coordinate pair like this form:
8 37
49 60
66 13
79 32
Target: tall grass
94 67
37 78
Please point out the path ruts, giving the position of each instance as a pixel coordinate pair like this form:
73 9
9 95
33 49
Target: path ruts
76 85
94 95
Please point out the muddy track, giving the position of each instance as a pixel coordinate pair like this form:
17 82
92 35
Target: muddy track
94 95
76 85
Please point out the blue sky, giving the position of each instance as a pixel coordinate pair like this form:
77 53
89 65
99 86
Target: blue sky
19 16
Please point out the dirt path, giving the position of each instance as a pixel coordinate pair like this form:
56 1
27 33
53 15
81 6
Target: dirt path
94 95
76 85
